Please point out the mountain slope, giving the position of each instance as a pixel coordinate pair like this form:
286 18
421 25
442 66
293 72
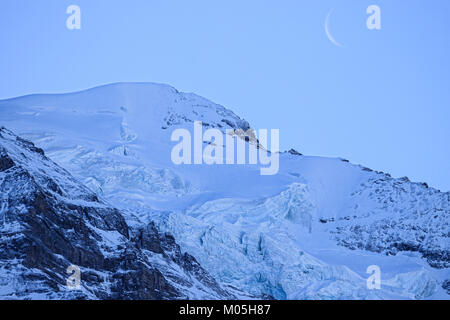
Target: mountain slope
309 231
48 222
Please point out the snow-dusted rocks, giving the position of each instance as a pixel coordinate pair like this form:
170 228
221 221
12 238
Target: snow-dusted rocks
49 221
403 216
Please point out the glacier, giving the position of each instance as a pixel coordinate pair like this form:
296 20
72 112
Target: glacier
308 232
50 225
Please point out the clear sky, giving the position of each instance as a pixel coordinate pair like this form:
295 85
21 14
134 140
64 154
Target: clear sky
381 100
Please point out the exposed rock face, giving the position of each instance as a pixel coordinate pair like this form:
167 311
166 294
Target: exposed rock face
295 152
48 222
413 226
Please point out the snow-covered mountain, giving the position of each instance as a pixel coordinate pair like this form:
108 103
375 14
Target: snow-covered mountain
309 231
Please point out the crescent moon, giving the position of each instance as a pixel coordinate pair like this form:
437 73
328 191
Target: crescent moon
327 31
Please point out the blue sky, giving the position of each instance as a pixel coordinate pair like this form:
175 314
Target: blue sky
381 100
